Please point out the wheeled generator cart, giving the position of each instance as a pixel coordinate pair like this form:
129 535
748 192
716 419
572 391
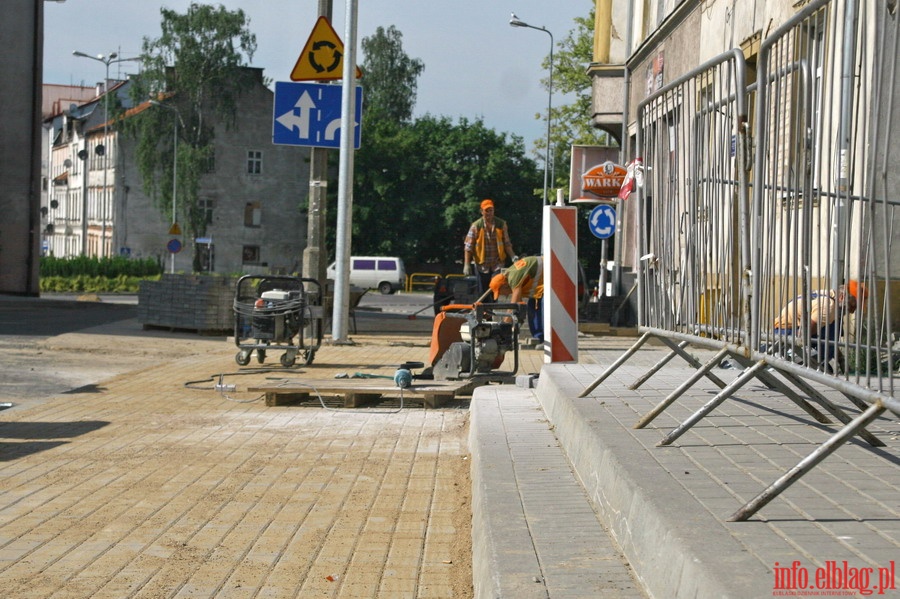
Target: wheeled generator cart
277 313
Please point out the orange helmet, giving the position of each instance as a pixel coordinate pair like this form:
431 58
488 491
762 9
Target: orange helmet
858 290
498 282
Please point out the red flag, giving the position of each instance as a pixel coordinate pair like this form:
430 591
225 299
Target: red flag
634 176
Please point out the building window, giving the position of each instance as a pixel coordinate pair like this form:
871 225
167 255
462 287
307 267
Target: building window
250 254
210 164
254 162
205 206
253 214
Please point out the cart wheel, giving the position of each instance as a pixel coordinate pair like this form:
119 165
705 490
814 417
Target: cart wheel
310 336
242 358
260 355
288 359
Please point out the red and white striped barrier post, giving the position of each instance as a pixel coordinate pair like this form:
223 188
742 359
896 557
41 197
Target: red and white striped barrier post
561 284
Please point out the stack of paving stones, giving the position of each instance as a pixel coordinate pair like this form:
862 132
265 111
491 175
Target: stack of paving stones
193 302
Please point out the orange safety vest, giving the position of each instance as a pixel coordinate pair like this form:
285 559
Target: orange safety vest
499 227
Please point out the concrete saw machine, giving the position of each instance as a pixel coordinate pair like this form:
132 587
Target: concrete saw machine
471 341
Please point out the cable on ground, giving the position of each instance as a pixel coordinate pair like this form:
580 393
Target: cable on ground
403 379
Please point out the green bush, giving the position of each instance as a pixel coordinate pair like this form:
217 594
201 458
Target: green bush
99 267
93 284
83 274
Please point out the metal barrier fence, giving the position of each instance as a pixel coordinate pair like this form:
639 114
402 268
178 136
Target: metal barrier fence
424 281
421 281
744 212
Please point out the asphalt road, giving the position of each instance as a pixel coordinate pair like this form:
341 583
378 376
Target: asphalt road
399 303
55 345
58 313
43 317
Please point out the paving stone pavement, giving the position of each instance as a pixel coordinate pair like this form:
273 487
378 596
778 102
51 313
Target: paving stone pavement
142 487
535 532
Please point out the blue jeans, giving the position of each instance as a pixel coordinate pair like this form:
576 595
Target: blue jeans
535 311
824 343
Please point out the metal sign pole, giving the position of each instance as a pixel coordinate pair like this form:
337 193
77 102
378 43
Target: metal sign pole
313 261
345 184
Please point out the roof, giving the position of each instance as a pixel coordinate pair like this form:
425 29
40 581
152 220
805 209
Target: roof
55 99
118 89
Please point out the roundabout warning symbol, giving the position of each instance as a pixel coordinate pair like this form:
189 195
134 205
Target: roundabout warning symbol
322 58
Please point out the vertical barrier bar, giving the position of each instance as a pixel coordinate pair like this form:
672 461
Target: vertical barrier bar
561 285
719 256
808 463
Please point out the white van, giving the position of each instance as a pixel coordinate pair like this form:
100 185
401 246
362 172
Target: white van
385 273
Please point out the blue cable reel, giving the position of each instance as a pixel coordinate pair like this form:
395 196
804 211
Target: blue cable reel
403 377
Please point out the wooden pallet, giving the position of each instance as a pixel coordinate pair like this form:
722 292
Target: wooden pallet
356 392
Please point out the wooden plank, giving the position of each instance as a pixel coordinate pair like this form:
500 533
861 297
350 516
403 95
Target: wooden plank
356 392
283 399
356 400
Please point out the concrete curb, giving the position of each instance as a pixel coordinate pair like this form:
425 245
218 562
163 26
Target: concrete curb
504 563
534 532
649 520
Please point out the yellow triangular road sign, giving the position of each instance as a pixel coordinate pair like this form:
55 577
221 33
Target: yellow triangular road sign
174 229
322 58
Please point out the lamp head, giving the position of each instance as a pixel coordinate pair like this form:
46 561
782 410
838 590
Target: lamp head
514 21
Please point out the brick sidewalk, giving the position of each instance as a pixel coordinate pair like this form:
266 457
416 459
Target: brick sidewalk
142 487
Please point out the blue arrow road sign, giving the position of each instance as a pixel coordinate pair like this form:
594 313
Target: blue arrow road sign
309 114
603 221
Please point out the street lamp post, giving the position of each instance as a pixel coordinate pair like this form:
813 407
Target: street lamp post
514 21
174 172
112 58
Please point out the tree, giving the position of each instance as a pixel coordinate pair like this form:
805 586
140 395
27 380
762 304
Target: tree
196 68
417 189
418 183
572 122
393 74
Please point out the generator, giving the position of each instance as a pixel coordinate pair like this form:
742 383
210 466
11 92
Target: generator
277 316
271 311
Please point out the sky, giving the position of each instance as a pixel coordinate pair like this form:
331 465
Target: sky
476 64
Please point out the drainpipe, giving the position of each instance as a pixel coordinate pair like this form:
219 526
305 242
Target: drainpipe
602 30
625 148
845 142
